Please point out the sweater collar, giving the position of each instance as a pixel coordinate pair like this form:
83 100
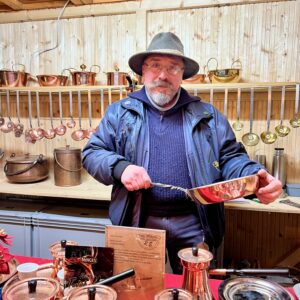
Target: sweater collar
184 98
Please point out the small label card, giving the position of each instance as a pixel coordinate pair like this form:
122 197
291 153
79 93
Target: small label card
143 250
87 264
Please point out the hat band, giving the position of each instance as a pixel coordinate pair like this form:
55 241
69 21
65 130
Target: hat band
167 51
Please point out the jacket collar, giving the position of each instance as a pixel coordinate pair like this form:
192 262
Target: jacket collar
197 112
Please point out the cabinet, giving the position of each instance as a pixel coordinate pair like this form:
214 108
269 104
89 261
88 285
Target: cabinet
35 226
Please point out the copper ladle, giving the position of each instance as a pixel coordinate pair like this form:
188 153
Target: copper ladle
78 134
50 133
38 132
267 136
9 126
251 138
295 122
89 132
19 128
225 110
237 125
2 120
29 136
71 123
61 129
281 129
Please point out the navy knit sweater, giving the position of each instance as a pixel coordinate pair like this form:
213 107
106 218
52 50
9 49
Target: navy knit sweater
167 161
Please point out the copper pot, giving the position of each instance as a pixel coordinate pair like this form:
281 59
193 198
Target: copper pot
13 78
198 78
67 166
52 80
117 78
92 292
26 168
83 77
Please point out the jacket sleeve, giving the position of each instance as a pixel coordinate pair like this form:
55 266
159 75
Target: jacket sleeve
99 155
233 158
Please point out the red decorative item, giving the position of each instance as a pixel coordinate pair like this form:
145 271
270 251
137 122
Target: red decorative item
5 256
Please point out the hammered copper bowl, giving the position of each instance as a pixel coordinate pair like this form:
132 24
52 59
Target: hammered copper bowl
224 75
52 80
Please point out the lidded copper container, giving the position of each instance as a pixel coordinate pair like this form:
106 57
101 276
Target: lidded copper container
67 166
38 288
58 251
92 292
26 168
174 294
195 262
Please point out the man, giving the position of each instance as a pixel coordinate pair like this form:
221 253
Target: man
162 134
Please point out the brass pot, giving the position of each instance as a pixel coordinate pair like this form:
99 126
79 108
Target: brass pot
26 168
83 77
52 80
67 166
230 75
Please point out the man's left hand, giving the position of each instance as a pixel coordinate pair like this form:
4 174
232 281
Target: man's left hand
269 188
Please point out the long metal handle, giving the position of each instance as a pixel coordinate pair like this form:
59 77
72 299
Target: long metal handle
172 187
117 277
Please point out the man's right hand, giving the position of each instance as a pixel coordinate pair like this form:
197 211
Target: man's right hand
135 178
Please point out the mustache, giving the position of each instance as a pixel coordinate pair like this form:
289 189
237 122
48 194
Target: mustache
161 83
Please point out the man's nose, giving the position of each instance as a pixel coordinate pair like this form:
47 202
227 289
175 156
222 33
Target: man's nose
163 73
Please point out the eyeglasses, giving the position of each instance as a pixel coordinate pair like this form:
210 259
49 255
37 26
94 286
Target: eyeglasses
157 68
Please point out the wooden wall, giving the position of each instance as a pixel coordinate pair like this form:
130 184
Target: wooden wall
264 35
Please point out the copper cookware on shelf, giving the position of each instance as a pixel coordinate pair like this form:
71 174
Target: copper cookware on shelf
83 77
52 80
13 78
229 75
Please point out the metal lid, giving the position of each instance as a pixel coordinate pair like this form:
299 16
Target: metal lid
58 248
67 149
252 288
188 255
171 294
39 288
25 159
101 292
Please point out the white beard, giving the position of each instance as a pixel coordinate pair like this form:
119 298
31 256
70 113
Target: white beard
160 99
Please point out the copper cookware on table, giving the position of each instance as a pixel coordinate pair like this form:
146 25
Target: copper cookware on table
84 77
26 168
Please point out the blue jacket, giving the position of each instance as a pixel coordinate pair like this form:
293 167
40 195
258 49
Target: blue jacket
213 154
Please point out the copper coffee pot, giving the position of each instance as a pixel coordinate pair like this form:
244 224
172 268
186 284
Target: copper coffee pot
195 262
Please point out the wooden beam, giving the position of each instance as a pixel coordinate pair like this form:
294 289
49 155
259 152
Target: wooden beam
76 2
14 4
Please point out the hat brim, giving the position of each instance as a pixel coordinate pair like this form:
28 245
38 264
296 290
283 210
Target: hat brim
191 67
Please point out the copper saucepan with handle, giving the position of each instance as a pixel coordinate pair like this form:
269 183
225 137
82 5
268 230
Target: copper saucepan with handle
14 78
84 77
220 191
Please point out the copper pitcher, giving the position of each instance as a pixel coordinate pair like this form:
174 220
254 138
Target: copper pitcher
195 262
84 77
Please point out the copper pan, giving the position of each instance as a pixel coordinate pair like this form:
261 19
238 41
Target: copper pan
13 78
52 80
220 191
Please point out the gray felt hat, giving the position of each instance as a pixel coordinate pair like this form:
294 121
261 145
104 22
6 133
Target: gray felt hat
164 43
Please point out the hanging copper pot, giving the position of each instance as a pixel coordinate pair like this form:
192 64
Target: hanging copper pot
84 77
